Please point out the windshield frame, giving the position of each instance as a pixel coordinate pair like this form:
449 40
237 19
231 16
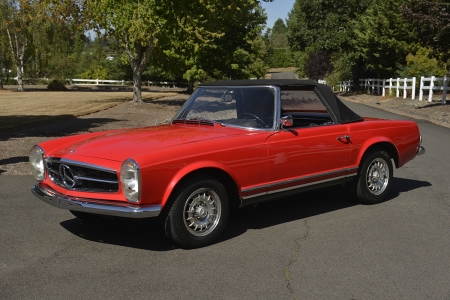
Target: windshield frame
276 108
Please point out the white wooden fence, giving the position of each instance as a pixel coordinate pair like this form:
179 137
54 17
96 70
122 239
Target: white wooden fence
379 86
118 82
98 82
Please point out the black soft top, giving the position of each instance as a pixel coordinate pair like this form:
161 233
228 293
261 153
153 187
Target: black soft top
340 110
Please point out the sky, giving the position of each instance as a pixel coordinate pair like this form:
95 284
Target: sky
277 9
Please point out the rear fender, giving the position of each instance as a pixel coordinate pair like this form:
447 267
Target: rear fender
373 141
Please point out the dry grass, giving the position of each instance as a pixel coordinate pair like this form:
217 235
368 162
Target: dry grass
21 108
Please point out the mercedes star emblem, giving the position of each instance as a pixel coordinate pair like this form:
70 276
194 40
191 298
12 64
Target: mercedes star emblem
68 176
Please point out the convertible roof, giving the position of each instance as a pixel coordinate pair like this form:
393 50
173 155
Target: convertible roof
341 111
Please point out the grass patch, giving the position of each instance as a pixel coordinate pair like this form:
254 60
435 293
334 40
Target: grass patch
24 108
280 70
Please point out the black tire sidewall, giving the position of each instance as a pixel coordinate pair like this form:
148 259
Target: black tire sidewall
174 224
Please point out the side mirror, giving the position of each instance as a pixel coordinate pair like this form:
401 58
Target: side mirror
286 121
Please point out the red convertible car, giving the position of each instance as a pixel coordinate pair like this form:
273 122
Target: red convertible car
232 143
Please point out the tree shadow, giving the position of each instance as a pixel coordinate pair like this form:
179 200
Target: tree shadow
13 160
169 102
434 103
47 126
147 233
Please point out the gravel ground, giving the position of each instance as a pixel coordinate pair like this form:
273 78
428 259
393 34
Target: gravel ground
434 111
15 145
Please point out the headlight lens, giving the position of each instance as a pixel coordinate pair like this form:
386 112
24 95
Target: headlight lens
130 179
37 163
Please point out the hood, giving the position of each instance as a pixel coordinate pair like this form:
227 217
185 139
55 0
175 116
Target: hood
123 144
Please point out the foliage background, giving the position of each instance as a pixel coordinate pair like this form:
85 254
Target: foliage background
189 41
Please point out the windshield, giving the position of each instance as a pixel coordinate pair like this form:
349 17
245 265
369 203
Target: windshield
250 107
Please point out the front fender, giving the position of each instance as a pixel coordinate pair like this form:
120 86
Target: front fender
191 168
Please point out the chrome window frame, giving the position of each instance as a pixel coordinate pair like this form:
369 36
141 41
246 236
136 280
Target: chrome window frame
277 107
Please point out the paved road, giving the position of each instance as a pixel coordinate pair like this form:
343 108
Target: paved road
319 245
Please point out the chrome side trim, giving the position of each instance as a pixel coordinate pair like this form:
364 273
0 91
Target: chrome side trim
93 206
254 195
309 177
353 170
305 185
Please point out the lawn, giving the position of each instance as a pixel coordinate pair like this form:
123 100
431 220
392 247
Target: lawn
22 108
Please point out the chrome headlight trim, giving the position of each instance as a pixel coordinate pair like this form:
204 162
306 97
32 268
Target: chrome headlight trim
36 159
130 180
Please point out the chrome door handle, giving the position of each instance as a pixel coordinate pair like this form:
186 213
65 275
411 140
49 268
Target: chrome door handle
345 137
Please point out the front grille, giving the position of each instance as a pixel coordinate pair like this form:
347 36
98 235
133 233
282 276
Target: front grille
81 177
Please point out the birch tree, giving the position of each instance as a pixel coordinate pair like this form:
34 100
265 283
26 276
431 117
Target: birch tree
22 20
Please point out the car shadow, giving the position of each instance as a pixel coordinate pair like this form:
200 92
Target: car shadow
148 234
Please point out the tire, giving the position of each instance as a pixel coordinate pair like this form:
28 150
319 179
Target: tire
86 216
199 213
373 182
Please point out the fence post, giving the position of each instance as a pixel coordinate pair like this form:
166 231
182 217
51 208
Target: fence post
444 90
390 87
404 88
97 81
384 86
413 88
430 95
421 89
397 94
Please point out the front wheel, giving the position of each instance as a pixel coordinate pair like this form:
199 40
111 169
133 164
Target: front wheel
199 213
373 182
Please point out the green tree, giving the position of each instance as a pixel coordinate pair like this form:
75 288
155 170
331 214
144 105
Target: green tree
322 26
278 34
229 44
280 54
383 39
423 64
431 22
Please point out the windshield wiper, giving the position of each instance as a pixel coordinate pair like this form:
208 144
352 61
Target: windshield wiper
198 121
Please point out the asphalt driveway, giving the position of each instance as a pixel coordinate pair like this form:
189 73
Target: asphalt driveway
318 245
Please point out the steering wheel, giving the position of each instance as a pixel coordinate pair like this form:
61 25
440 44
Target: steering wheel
257 119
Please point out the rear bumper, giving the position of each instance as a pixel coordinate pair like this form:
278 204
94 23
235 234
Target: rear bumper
59 200
420 150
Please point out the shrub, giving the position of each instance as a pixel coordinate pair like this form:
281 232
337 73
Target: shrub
56 85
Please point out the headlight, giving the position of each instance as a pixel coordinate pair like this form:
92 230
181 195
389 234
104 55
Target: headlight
130 180
37 163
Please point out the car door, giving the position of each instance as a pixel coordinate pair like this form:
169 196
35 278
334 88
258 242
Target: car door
301 157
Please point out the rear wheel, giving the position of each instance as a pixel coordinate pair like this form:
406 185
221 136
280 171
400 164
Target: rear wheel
199 213
373 182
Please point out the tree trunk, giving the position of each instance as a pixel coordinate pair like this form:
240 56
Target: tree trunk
20 78
137 84
190 89
18 54
1 76
138 60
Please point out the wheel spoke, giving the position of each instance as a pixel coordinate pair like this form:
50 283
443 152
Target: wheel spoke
377 177
202 212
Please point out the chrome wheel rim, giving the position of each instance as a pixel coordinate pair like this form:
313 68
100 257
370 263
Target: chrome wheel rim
377 177
202 211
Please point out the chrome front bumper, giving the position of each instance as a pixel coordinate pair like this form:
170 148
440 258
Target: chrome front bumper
420 150
93 206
